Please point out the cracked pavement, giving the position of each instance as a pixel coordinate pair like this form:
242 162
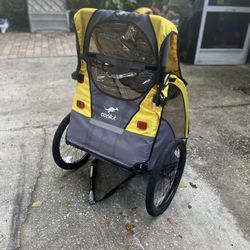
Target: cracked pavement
37 93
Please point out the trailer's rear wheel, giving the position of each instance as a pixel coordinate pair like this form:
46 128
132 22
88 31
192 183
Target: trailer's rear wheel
66 156
165 178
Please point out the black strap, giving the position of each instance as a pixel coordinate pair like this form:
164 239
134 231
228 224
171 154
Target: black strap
159 98
77 76
122 63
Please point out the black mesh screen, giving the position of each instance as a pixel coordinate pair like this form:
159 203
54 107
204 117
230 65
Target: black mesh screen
107 177
174 112
122 60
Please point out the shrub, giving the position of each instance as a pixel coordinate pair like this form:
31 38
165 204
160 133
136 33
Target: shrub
16 12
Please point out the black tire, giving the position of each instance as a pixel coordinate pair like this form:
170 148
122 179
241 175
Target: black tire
57 148
169 167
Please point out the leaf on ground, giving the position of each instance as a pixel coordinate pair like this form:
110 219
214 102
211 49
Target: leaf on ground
192 185
37 204
182 184
104 221
171 222
1 237
66 204
130 228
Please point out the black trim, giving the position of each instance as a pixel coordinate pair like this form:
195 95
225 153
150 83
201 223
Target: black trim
131 65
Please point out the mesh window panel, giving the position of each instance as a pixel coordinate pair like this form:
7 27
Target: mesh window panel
121 53
174 112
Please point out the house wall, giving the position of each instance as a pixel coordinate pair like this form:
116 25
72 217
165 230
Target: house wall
48 15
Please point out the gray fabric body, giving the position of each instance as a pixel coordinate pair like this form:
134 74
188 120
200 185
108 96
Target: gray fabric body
126 149
116 145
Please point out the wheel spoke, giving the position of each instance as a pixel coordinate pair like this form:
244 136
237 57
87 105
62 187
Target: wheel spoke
166 179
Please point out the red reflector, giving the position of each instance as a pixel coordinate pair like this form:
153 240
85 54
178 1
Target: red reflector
80 104
142 125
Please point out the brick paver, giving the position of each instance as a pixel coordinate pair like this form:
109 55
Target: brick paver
27 45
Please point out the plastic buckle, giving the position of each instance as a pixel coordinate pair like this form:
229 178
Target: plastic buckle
159 99
156 99
77 76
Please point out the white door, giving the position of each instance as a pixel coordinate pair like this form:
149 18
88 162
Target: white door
224 36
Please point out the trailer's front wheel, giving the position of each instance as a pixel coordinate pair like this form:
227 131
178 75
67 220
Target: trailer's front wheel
66 156
165 178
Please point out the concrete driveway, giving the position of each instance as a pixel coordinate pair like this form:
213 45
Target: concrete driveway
44 207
